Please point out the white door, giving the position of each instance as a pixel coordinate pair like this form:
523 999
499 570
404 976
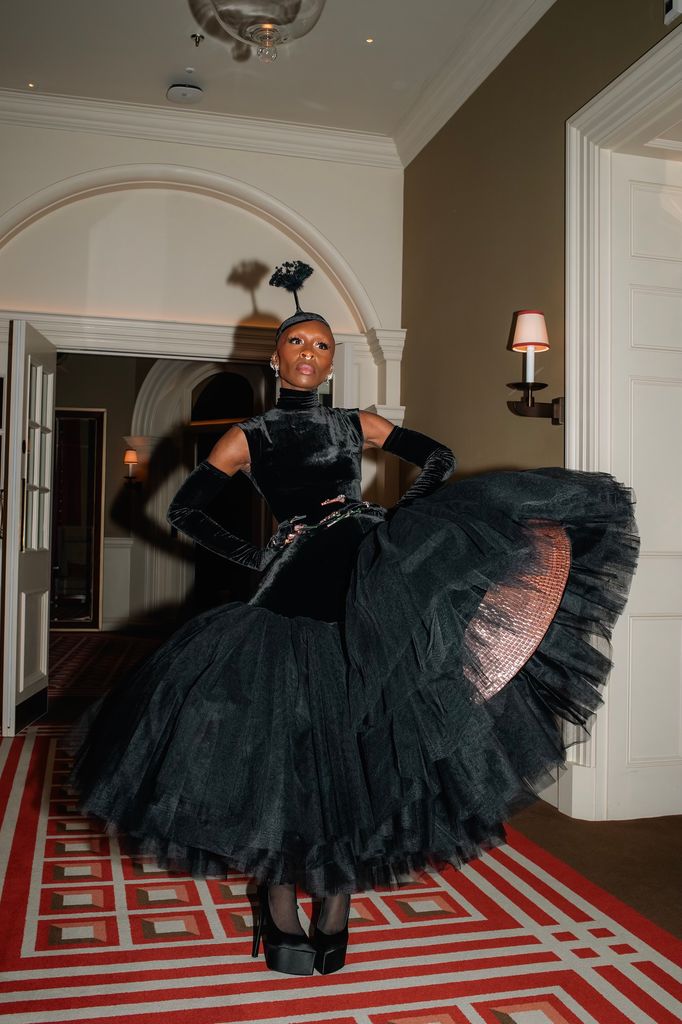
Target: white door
644 763
26 574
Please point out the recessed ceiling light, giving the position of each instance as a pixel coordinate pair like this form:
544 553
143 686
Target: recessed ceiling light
184 93
31 85
369 39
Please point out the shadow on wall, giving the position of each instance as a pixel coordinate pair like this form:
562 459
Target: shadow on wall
216 581
249 275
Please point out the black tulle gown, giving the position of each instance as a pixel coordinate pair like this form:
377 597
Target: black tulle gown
394 690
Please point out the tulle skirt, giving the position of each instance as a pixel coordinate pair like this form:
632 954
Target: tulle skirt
392 694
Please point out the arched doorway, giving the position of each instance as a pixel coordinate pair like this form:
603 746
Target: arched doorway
217 402
169 444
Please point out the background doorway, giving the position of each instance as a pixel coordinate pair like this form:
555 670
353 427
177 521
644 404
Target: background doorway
77 499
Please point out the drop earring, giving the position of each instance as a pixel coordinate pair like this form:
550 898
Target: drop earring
275 367
330 376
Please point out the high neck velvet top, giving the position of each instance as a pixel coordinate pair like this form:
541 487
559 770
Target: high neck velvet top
303 453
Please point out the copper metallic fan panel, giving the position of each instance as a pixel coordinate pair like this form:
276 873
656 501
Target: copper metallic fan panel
514 615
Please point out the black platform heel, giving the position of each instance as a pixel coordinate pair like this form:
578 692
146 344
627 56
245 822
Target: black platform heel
289 954
330 950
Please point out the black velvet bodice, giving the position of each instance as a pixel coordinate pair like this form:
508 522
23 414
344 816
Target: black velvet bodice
303 453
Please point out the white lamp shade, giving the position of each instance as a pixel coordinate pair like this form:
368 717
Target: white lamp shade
130 457
530 333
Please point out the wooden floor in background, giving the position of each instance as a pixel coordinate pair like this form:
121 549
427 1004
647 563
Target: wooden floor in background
639 861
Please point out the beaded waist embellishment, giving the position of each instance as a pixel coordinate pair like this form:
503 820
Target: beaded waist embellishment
351 507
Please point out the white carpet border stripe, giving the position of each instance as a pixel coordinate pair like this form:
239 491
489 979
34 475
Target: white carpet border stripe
5 747
9 822
125 936
34 891
317 994
642 947
396 963
171 965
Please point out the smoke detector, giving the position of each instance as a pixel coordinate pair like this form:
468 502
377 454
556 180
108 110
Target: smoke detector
183 93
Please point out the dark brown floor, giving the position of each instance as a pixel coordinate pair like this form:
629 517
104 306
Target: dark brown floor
638 861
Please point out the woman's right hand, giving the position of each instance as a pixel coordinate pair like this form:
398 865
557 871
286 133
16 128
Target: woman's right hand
286 533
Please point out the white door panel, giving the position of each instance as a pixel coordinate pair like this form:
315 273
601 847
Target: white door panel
644 770
26 551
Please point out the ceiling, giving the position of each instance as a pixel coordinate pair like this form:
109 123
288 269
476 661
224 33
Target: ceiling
132 50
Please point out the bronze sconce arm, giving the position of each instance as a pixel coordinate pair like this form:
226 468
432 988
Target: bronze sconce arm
527 406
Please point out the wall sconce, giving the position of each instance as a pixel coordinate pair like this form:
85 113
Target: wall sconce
130 460
530 336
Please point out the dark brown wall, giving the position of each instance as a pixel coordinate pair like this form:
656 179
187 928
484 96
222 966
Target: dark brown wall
484 231
111 383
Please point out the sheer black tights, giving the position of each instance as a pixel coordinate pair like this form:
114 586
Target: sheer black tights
333 914
284 910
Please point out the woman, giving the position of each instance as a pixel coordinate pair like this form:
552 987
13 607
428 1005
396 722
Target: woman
392 692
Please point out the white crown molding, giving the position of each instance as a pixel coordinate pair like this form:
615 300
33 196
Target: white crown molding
164 339
216 131
490 36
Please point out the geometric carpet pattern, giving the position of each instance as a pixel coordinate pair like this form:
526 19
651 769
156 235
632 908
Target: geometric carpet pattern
91 934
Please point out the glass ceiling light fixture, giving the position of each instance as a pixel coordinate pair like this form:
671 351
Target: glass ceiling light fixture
266 24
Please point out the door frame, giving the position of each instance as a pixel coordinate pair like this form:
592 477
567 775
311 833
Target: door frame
27 347
367 375
100 473
625 115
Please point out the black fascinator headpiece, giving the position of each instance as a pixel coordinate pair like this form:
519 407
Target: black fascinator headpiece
292 276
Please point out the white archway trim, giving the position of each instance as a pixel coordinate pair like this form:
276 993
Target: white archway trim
646 94
201 182
164 401
162 408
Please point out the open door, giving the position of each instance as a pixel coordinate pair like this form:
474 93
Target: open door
27 485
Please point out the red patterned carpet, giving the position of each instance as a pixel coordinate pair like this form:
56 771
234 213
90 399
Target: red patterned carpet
93 935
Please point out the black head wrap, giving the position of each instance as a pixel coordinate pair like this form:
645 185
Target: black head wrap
292 276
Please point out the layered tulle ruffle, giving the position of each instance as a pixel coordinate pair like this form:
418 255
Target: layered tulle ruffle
345 756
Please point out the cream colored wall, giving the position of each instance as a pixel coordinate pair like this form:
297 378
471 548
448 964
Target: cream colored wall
166 255
154 254
484 231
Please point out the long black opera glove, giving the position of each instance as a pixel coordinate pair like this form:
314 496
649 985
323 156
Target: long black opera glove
437 461
187 513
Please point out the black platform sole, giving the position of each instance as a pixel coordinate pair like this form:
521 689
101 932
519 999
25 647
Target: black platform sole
289 960
329 960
